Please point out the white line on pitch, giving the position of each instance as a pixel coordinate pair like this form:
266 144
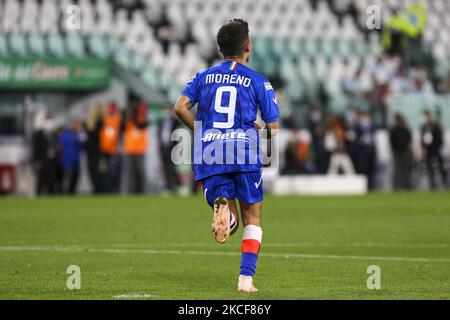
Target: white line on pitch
217 253
282 245
306 244
134 296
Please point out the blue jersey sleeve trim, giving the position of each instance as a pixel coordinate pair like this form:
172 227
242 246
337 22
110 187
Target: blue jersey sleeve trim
191 98
191 90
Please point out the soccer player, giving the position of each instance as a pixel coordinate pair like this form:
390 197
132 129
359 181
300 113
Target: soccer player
226 161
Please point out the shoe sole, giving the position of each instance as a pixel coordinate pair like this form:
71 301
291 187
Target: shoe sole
220 226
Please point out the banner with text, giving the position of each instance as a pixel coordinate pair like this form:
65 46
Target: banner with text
47 73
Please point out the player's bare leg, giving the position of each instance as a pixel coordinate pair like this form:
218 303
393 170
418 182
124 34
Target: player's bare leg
225 219
251 213
251 218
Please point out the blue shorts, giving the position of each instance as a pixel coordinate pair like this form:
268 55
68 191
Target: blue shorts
245 186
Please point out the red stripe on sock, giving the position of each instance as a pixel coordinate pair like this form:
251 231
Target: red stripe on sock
250 245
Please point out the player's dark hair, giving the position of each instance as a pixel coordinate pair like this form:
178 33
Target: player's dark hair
232 38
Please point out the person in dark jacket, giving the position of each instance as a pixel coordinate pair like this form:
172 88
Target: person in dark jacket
400 138
92 145
317 130
432 142
291 165
168 125
367 157
44 156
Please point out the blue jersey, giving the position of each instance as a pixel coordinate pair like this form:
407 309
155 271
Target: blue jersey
229 96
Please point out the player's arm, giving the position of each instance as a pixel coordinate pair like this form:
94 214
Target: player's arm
188 99
183 111
273 128
269 108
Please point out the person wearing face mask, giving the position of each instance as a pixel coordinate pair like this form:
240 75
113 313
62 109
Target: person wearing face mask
44 154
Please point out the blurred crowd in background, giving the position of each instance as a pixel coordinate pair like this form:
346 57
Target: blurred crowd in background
108 137
345 144
335 88
332 143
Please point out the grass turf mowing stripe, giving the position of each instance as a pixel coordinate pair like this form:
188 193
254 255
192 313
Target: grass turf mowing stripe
192 252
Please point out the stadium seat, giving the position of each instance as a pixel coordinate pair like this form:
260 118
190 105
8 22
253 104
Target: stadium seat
121 56
75 45
339 104
98 45
3 45
55 45
27 19
329 47
311 47
295 92
105 17
288 71
36 44
166 81
10 16
292 39
306 70
137 62
87 16
321 68
50 11
279 46
148 76
173 94
18 44
120 23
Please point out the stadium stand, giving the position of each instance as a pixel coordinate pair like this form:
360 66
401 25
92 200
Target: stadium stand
311 50
166 42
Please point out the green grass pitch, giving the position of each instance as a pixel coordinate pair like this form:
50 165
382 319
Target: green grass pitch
161 248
